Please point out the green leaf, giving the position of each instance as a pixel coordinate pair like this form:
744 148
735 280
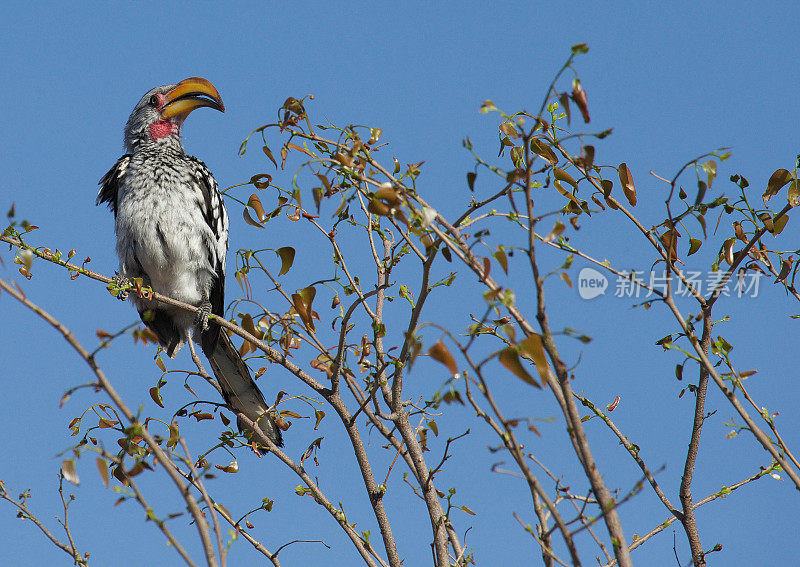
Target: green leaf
502 259
471 180
562 175
776 181
555 233
174 436
721 346
794 193
406 294
487 106
702 221
543 151
286 254
701 192
694 245
778 224
155 393
535 349
766 218
710 167
318 193
517 155
375 135
509 358
579 48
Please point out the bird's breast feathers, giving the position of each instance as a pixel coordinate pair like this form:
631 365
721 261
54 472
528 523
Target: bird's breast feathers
162 232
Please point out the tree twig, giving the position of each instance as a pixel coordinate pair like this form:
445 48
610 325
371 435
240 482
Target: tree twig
152 444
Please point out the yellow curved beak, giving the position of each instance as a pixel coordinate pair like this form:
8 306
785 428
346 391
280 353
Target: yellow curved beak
189 94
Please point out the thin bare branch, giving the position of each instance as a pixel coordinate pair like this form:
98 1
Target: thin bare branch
152 444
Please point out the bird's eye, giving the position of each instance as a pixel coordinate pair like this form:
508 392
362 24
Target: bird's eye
154 100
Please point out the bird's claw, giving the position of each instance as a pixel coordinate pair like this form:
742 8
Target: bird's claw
201 319
121 282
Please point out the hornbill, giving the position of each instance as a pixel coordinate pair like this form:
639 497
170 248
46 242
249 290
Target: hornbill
172 231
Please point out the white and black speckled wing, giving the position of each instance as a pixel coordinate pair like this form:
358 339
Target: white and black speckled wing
110 182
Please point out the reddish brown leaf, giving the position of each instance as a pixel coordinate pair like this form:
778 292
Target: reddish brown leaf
299 149
580 98
261 180
302 304
727 250
248 219
786 267
564 98
268 153
255 203
440 353
626 179
102 468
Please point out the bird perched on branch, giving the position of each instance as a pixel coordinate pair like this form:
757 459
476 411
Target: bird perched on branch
172 231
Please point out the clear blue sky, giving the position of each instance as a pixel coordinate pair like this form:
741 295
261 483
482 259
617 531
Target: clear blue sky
673 79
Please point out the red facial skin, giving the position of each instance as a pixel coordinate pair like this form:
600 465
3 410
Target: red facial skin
162 128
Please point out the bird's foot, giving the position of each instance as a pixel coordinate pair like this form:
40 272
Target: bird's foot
201 319
121 281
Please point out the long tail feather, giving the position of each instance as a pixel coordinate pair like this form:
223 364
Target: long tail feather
239 389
